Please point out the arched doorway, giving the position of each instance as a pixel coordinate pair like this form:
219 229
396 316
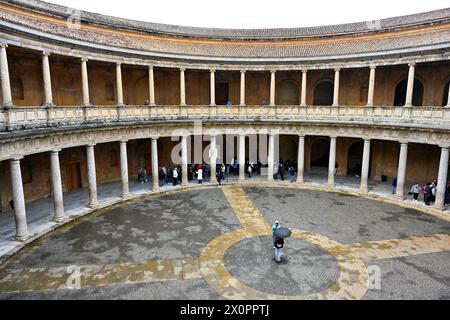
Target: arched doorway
323 94
445 98
288 93
320 153
141 91
355 154
400 93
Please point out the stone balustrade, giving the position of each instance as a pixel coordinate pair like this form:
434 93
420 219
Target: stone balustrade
22 118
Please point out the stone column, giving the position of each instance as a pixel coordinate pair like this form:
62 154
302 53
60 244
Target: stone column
213 156
401 175
184 162
272 87
119 86
243 87
182 87
365 167
155 165
213 87
301 160
124 169
151 81
58 201
442 178
332 162
371 86
410 88
336 87
448 98
241 157
4 71
304 79
92 176
20 215
85 82
48 95
271 157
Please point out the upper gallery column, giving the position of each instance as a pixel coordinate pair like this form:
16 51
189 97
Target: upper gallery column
58 201
371 86
184 161
20 215
243 87
48 95
85 82
92 176
272 87
303 94
410 87
442 178
182 87
365 167
155 164
448 97
119 84
124 169
212 87
4 71
151 82
332 162
401 175
213 156
301 159
336 87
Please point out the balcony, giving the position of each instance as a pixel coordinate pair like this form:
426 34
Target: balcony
37 117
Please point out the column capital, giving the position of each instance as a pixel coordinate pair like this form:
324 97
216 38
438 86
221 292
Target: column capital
123 141
337 69
182 69
118 64
302 135
367 140
412 64
154 138
150 67
403 142
83 59
333 137
444 146
304 70
16 158
372 66
56 151
3 45
91 145
273 71
243 71
46 53
212 70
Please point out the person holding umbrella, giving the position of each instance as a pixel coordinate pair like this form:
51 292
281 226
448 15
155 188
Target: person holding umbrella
274 228
280 234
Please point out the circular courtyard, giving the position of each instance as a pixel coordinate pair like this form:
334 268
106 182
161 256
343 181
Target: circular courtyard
215 243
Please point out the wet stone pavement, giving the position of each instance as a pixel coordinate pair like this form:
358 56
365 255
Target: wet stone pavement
154 248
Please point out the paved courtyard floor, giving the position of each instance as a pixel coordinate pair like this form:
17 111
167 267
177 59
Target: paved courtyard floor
215 243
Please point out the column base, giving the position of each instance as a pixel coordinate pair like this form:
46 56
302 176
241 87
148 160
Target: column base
300 182
439 207
213 105
331 185
88 105
125 196
23 238
402 197
60 219
155 189
364 189
94 205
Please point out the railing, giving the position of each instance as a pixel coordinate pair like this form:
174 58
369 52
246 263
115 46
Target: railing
23 118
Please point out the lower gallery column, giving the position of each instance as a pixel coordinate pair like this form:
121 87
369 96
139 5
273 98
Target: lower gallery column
20 215
241 157
213 157
58 201
271 156
184 164
332 162
92 176
301 160
442 179
365 167
124 169
155 165
401 175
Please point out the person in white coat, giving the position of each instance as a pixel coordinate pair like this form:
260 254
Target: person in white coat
200 175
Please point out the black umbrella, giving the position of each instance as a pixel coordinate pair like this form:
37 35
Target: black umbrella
282 233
